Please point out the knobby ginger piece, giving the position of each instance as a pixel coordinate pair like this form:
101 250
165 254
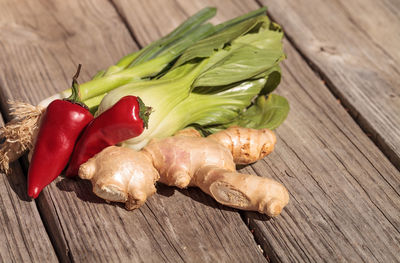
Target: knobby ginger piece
242 191
121 175
177 158
246 145
125 175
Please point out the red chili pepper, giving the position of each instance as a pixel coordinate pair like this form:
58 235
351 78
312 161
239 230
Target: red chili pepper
60 127
126 119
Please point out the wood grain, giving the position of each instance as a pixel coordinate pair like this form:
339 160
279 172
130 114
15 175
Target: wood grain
173 226
23 235
354 45
42 44
344 192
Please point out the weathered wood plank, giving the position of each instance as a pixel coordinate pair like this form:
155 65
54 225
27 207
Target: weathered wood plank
345 194
42 48
355 47
23 235
42 43
173 226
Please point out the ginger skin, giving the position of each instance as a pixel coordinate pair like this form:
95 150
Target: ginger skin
242 191
246 145
121 175
187 159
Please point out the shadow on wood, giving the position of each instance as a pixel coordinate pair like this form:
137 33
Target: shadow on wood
82 189
17 183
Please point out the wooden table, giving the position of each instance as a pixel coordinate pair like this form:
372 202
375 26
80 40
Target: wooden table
338 152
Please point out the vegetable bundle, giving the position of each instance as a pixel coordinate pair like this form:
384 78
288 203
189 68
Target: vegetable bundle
206 76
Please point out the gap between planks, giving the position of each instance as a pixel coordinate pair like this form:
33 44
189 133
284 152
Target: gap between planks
19 173
24 164
125 23
359 119
135 39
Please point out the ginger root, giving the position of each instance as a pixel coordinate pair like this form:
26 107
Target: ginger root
242 191
187 159
246 145
121 175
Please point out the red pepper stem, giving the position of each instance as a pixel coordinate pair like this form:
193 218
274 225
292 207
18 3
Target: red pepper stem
144 112
75 96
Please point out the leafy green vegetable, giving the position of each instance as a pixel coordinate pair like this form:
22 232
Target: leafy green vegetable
213 83
201 75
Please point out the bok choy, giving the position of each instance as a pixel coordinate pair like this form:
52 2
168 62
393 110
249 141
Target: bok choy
219 81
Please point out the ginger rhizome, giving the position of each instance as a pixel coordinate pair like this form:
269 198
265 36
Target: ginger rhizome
189 160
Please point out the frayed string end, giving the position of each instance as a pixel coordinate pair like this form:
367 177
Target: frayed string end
17 136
